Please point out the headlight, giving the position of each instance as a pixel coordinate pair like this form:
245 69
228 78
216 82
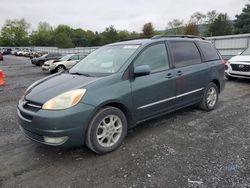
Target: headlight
65 100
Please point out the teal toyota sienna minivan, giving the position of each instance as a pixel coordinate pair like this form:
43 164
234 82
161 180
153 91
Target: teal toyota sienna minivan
118 86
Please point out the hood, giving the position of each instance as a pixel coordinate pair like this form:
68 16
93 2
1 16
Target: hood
49 62
38 58
52 86
240 58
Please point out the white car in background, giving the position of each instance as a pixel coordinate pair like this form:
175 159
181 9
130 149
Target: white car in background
238 66
62 64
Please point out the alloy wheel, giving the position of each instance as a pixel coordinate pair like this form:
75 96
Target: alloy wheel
211 97
109 131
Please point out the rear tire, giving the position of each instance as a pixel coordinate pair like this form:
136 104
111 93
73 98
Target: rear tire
107 130
210 97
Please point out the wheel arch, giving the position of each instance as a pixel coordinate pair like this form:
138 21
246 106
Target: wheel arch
217 83
60 64
121 106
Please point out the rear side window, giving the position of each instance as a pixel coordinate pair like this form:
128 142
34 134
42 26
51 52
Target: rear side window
185 53
209 51
155 56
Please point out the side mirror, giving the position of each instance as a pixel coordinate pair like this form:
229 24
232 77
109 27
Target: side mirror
69 59
239 53
142 70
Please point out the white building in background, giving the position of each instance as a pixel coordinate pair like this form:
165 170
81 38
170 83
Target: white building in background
231 45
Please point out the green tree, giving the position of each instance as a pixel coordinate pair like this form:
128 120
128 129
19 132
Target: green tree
78 37
220 26
96 40
90 36
198 18
134 35
62 40
63 36
43 36
175 27
123 35
211 16
242 22
15 33
191 29
109 35
148 30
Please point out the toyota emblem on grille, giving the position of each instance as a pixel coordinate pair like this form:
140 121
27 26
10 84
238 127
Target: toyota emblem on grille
241 66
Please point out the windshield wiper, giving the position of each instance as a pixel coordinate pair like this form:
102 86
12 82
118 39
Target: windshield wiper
78 73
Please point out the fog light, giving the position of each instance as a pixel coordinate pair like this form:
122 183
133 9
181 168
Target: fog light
55 140
226 67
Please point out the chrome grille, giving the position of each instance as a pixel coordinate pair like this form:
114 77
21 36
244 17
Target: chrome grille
31 106
240 67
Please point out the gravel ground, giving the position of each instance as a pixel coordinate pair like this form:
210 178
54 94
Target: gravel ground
188 148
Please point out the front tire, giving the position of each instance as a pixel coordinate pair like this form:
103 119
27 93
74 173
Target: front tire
210 97
107 130
60 68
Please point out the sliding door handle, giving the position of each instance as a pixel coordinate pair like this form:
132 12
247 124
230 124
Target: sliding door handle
179 73
169 75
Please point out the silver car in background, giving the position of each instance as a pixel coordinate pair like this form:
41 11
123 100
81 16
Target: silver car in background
62 64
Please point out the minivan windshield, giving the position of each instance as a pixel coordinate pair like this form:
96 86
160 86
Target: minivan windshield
105 60
246 52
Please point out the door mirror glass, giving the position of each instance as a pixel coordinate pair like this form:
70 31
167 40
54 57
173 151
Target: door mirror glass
142 70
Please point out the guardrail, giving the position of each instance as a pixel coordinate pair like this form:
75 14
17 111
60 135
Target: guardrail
63 51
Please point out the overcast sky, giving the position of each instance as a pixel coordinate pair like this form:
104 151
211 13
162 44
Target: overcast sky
123 14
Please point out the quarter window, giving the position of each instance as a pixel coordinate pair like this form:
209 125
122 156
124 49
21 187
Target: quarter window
209 51
185 54
155 56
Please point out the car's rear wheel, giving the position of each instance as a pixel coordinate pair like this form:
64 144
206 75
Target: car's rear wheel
60 68
106 130
210 97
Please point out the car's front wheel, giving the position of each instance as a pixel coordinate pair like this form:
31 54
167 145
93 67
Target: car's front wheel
107 130
60 68
210 97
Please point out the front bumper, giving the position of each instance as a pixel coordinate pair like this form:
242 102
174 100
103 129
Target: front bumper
237 74
33 61
48 68
71 123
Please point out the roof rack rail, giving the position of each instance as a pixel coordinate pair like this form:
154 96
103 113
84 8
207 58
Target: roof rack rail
177 36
